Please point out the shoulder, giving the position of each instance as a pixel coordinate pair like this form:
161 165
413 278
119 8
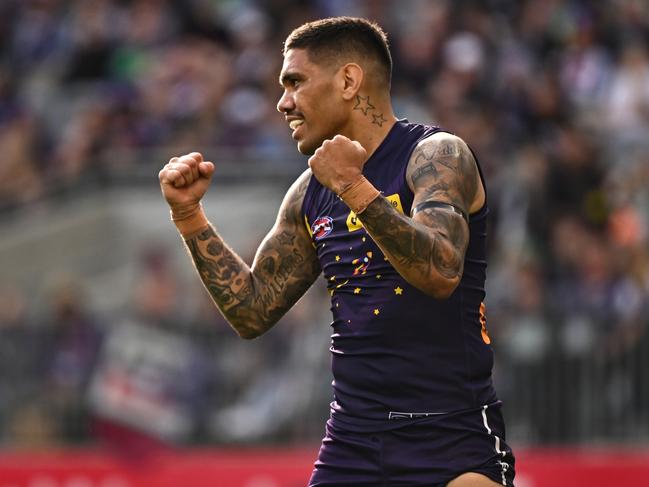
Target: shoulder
443 164
441 145
440 153
294 198
300 185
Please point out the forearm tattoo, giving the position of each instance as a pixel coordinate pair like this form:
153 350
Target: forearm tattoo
253 299
432 244
416 248
227 279
224 275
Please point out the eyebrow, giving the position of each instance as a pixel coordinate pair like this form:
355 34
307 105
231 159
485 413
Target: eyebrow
289 76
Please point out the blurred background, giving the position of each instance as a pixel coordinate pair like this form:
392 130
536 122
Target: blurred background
106 335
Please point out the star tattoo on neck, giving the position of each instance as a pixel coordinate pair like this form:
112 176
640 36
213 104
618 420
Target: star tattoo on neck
379 119
363 104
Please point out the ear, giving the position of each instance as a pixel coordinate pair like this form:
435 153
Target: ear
351 79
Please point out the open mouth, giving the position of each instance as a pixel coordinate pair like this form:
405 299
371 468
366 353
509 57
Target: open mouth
294 124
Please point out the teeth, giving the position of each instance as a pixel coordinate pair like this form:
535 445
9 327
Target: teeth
295 124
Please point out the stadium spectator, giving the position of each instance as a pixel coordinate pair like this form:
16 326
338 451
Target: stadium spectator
552 95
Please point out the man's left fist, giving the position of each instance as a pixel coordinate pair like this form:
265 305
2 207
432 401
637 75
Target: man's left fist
338 163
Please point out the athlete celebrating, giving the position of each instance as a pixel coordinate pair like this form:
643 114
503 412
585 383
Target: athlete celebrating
394 215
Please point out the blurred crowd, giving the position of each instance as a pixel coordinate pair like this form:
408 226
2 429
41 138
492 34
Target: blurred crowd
553 96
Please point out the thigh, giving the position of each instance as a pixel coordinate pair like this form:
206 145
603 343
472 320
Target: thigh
437 451
348 458
473 479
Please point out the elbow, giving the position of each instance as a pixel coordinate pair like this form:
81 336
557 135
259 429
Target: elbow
247 330
444 275
445 292
248 334
441 288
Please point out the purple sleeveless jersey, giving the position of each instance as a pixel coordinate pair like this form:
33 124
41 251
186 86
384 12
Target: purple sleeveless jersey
396 352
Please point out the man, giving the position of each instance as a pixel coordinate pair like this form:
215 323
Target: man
394 215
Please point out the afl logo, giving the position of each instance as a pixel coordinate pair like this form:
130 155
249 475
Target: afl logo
322 227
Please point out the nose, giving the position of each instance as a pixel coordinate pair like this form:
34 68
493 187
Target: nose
285 103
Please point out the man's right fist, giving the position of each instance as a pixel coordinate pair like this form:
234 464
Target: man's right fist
184 181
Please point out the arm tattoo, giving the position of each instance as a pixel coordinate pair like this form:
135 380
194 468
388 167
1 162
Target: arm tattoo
279 274
425 168
436 246
220 270
444 166
428 250
253 298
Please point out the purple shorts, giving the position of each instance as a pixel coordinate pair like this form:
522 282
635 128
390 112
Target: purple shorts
429 452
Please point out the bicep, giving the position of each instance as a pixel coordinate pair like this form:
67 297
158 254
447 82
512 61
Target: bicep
442 168
443 176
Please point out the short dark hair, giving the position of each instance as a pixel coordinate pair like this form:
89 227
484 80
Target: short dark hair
328 39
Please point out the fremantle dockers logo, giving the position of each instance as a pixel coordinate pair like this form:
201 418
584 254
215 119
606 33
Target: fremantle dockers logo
322 227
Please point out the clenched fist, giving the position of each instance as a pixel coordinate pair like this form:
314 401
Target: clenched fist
184 181
338 163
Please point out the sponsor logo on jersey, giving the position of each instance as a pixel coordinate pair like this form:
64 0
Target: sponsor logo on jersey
322 226
353 223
